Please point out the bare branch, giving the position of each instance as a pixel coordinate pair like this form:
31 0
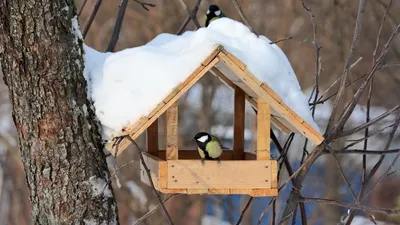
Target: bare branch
243 16
145 5
350 107
195 21
187 20
353 48
280 40
150 178
82 7
351 206
367 124
155 209
117 26
244 210
362 151
91 18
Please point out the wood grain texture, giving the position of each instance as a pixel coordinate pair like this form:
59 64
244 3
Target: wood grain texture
139 128
248 79
172 132
191 174
239 123
263 130
152 138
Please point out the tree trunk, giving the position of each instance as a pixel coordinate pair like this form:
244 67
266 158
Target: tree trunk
59 139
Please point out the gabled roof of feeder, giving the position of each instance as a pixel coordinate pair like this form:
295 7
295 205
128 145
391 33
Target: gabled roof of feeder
231 71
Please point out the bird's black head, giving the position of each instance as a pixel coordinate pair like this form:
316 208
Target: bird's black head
212 13
202 137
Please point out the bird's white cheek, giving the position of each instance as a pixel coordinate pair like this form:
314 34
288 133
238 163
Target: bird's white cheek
218 13
202 139
208 12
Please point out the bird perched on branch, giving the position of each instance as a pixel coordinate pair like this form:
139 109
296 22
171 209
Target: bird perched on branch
213 13
209 146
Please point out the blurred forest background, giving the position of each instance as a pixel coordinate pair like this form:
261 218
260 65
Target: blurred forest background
209 106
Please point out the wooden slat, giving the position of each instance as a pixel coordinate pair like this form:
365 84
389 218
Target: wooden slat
152 138
251 81
239 124
228 82
187 84
194 154
274 174
172 132
153 163
229 174
263 130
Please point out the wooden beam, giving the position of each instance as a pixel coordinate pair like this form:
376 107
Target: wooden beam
252 82
172 132
194 154
228 82
152 138
263 130
238 124
191 174
138 128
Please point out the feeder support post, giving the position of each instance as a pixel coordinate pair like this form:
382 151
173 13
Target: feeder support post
239 124
172 132
263 130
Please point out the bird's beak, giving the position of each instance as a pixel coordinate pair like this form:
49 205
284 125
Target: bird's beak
194 140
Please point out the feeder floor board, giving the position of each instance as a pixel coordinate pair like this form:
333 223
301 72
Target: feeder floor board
250 177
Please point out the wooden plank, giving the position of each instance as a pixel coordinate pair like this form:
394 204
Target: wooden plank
229 83
152 138
216 51
239 124
187 84
271 92
235 60
228 174
264 192
172 132
214 191
153 164
263 130
194 154
274 174
251 81
250 156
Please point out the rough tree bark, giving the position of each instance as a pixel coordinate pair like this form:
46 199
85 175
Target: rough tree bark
60 143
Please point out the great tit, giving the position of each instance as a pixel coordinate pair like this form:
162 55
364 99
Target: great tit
213 13
209 146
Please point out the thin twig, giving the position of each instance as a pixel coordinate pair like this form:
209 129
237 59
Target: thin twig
335 82
369 123
361 151
145 5
195 21
244 210
266 210
155 209
82 7
243 16
117 26
91 18
187 20
150 179
351 206
280 40
354 101
356 37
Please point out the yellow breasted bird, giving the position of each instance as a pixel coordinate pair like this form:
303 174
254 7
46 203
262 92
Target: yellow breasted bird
213 13
209 146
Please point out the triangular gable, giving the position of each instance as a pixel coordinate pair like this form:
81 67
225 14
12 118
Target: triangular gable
231 71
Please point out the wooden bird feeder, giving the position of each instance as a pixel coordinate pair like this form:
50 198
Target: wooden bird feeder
175 171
